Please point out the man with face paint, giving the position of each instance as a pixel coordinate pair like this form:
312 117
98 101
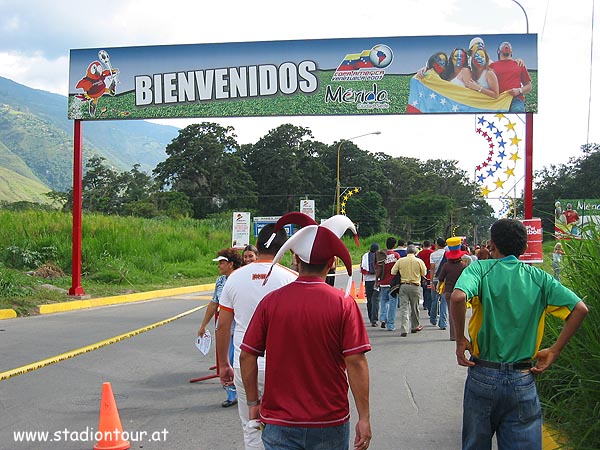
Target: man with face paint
512 77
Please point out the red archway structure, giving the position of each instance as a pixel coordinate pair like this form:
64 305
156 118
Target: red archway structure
357 76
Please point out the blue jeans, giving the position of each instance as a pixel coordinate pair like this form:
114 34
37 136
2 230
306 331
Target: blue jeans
231 391
439 308
504 402
276 437
517 105
388 305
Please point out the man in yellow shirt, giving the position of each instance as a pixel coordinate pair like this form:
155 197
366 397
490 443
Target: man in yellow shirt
411 269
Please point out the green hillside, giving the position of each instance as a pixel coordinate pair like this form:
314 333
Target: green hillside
13 163
42 147
36 140
15 187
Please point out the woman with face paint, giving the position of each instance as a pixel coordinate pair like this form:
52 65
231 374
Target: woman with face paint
458 68
483 78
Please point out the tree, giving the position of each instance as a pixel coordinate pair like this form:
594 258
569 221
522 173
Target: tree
576 179
101 187
368 212
202 163
284 168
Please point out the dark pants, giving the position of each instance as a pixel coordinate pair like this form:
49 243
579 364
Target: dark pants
330 280
372 299
427 298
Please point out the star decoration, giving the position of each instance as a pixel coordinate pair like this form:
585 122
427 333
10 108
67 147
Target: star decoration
497 164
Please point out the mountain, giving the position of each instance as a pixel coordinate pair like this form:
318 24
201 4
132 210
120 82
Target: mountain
36 142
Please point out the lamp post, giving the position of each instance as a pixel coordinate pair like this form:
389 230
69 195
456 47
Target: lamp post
452 211
337 186
524 12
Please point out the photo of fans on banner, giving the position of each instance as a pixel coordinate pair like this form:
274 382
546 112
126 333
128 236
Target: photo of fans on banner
572 217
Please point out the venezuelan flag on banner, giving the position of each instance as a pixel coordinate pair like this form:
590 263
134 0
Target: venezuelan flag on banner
434 95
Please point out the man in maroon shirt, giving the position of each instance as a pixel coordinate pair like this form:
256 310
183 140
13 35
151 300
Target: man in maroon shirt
424 255
316 340
511 77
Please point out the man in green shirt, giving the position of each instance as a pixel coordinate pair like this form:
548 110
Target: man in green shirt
510 300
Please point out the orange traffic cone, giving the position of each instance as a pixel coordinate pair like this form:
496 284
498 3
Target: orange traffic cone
353 290
361 292
109 424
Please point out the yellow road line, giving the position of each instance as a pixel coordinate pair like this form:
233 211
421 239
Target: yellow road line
89 348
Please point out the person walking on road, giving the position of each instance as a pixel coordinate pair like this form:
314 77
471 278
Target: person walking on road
449 274
316 340
425 255
368 270
388 303
510 300
438 314
410 295
229 260
242 292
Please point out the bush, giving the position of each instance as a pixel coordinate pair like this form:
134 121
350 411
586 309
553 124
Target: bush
570 390
22 258
10 286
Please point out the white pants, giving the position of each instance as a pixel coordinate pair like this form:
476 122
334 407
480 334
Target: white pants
252 436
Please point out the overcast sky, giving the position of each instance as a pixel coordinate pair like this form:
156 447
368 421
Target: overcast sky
36 36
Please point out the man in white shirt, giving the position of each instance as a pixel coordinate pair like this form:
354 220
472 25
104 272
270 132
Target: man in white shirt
437 309
368 269
242 293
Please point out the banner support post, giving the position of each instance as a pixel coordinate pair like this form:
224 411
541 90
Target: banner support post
528 201
76 289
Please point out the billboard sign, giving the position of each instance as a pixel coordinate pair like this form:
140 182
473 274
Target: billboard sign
308 207
240 233
534 252
260 222
355 76
571 217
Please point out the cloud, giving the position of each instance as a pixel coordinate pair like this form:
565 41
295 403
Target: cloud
36 35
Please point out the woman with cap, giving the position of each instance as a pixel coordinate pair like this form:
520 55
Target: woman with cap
450 272
228 260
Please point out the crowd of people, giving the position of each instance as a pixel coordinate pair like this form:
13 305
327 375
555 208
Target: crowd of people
423 281
316 338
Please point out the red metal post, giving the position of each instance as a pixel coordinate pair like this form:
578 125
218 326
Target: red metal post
76 288
528 206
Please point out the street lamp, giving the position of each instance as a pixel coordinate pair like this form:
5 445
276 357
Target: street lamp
337 186
524 12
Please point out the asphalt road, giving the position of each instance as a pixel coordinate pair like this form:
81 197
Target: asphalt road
416 385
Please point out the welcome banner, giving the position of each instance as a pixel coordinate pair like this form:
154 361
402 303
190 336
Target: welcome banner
357 76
